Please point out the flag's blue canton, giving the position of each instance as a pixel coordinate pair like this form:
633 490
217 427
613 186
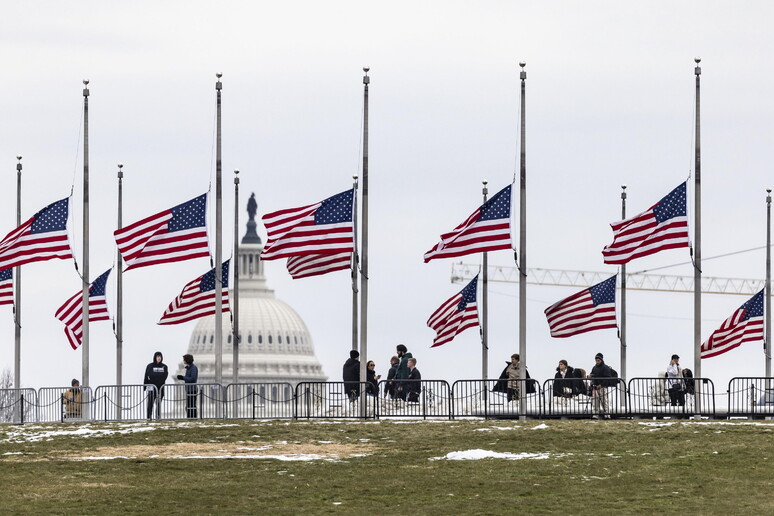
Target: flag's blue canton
98 287
336 209
604 292
6 274
208 280
189 214
498 207
673 205
753 307
468 294
51 218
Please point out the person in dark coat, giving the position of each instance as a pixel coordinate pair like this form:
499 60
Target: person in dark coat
600 375
155 374
504 381
372 387
567 382
389 385
403 371
413 383
190 378
351 375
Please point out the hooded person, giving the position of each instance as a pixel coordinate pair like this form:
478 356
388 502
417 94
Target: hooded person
190 378
351 375
601 375
155 375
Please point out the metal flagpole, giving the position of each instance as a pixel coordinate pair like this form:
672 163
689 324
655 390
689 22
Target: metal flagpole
364 245
484 310
218 248
17 285
85 264
120 287
235 292
697 246
623 293
767 305
354 268
523 248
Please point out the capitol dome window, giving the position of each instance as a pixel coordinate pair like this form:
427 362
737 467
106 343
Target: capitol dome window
249 338
279 339
269 339
260 339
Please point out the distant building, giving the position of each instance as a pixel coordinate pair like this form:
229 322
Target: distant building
275 344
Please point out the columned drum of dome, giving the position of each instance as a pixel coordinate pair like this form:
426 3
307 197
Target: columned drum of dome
275 344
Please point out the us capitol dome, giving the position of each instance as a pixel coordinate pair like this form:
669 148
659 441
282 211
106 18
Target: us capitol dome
275 344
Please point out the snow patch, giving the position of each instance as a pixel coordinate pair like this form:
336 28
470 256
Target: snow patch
479 454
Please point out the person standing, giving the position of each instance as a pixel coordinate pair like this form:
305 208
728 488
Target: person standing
372 387
513 375
403 371
155 376
351 375
72 400
413 383
600 375
675 382
389 386
190 378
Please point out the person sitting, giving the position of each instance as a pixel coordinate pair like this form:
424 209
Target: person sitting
567 383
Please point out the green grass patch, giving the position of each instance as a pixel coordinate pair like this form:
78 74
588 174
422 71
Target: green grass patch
352 467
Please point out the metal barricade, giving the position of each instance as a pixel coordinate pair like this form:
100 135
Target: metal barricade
211 401
18 406
334 400
125 402
751 397
496 398
652 397
579 397
65 404
415 398
271 400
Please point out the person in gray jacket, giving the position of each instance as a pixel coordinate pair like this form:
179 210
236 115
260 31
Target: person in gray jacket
190 378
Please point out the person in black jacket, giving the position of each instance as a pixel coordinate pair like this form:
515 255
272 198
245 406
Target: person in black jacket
567 383
413 383
372 387
155 374
600 375
389 386
351 375
190 378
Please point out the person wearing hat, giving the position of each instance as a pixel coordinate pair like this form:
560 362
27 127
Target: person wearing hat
351 375
600 375
190 378
675 382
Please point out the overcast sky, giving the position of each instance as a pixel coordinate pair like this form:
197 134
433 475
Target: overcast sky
610 101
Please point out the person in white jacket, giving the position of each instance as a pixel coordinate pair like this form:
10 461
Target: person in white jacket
675 382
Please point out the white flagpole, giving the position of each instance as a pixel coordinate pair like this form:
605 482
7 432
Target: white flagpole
364 246
85 264
218 247
523 248
17 285
234 303
697 248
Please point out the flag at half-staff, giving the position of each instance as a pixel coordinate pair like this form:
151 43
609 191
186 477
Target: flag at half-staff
590 309
455 315
6 287
43 237
744 325
487 229
198 298
316 239
663 226
173 235
71 312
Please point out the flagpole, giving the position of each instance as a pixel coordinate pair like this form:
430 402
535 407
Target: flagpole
623 293
767 342
484 309
234 302
354 268
364 245
17 285
120 287
85 264
523 247
218 247
697 249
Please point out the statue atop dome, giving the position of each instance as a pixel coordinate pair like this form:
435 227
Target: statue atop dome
251 237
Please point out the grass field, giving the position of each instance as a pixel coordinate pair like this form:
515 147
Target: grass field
399 467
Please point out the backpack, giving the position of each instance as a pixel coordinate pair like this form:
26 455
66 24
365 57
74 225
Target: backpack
613 380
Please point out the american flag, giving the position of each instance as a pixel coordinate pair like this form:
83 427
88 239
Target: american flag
197 298
590 309
663 226
43 237
487 229
744 325
172 235
316 264
455 315
71 312
6 287
326 227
